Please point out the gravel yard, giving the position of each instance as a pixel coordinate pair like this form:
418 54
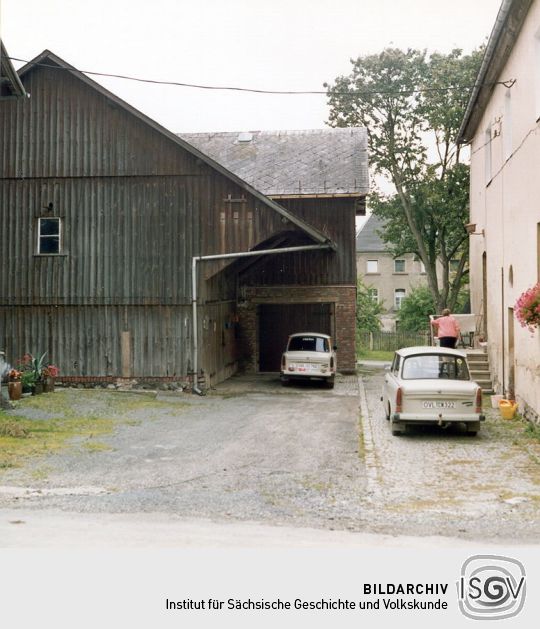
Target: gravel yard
297 456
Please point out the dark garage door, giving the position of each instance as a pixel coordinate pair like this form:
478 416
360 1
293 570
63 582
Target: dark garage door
277 321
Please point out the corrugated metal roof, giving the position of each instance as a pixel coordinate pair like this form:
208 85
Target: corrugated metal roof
311 162
10 83
368 239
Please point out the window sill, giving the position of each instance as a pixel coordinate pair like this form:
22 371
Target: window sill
50 255
400 273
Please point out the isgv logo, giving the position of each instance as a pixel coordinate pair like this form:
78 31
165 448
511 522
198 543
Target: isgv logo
491 587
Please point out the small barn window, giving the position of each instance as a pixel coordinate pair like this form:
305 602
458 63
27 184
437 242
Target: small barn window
399 266
49 235
373 294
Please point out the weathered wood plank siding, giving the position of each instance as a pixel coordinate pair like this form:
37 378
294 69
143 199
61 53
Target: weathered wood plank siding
334 217
135 207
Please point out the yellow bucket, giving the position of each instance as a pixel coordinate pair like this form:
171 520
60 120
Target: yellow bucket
508 409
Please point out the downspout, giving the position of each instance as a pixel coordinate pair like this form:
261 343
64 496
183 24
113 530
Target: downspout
224 256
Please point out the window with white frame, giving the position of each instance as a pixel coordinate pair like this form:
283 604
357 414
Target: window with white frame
49 235
399 296
399 266
373 294
372 266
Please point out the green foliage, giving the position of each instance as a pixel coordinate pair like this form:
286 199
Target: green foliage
415 310
367 309
412 105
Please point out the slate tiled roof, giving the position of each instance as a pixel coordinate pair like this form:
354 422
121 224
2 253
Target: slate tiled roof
319 161
368 240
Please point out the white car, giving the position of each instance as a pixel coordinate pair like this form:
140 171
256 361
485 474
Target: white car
309 356
431 385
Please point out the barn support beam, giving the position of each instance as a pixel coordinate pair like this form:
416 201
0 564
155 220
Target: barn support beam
224 256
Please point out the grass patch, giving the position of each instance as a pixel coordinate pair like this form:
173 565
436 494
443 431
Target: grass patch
375 355
75 419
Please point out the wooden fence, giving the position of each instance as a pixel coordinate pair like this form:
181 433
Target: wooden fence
391 341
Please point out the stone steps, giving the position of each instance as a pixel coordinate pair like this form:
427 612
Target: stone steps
479 368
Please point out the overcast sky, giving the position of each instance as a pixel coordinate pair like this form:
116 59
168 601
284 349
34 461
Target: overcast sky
275 44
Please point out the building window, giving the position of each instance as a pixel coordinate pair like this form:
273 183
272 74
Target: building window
399 296
399 266
373 294
49 235
372 266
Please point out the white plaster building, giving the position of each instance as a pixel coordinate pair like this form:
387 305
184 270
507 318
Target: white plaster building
502 124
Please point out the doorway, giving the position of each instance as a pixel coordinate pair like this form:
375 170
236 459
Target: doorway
278 321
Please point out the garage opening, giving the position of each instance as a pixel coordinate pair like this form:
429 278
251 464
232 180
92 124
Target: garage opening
278 321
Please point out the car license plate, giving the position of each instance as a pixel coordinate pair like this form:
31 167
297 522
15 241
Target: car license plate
439 404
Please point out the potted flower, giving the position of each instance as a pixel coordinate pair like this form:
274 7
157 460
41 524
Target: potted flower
527 308
15 384
48 375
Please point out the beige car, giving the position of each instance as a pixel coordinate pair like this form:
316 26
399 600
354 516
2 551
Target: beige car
431 385
309 356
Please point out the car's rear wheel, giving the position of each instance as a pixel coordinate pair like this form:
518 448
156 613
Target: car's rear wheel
285 382
329 383
397 429
473 428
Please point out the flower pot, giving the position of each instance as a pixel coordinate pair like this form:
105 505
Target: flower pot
15 390
38 388
48 385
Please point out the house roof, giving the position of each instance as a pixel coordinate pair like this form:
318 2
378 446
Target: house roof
10 83
368 239
50 60
317 162
505 32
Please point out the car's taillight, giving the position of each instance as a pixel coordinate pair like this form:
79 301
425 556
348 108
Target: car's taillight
399 400
478 401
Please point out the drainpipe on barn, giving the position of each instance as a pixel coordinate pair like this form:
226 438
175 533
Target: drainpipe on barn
224 256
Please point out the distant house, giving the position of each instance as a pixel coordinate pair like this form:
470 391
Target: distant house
501 124
10 83
320 175
389 279
130 253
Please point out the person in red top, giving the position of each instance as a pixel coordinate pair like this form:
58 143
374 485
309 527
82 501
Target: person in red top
447 329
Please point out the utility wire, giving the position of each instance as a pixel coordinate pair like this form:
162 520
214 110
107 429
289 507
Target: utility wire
507 84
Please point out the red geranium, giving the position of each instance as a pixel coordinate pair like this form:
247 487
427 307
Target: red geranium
527 308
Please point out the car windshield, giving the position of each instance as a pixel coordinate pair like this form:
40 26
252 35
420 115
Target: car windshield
308 344
435 367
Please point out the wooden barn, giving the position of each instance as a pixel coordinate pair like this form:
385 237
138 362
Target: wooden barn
129 253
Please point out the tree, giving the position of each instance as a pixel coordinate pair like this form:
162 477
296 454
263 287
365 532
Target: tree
412 106
415 310
367 310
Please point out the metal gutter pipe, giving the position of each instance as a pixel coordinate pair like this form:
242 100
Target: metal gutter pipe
225 256
496 33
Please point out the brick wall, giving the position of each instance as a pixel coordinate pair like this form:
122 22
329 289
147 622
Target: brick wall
343 298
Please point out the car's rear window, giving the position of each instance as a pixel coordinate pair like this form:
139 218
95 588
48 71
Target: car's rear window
435 367
308 344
